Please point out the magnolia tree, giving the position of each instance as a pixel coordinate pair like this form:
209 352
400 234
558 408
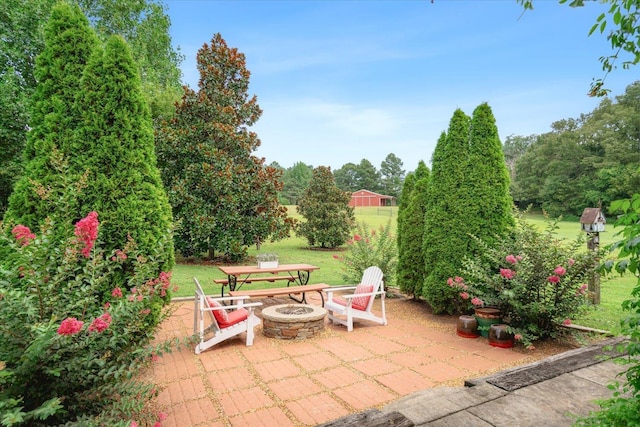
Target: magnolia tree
329 218
224 198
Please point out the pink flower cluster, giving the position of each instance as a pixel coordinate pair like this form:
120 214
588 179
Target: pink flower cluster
162 282
559 271
119 256
511 259
582 290
87 232
458 282
70 326
23 235
101 323
507 273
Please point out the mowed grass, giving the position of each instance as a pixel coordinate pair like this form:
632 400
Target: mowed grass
294 250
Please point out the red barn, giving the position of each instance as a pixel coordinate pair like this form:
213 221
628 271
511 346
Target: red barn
369 198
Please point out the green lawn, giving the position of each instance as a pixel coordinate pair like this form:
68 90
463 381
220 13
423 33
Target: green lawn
607 315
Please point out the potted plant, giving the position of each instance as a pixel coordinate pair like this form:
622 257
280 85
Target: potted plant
267 260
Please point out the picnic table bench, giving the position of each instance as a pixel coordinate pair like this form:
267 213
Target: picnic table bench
289 290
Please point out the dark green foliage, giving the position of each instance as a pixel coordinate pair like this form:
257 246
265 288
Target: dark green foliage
392 175
347 178
21 40
116 149
368 177
69 43
583 162
223 197
469 195
295 181
329 218
489 207
403 203
143 23
445 237
13 120
623 408
410 275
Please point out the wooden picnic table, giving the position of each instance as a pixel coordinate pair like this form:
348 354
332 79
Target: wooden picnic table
238 275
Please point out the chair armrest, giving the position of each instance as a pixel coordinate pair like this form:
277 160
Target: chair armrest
330 290
364 294
228 307
340 288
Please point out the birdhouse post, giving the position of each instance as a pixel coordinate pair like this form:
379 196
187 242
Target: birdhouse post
592 222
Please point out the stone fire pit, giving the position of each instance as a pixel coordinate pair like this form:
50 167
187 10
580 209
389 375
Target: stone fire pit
292 321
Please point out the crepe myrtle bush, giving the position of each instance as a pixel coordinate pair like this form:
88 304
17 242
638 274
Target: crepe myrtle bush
68 354
369 247
538 281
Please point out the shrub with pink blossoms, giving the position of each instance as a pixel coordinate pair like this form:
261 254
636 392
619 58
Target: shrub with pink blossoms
367 248
59 309
533 277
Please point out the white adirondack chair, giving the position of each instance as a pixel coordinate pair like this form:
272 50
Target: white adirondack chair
224 324
358 304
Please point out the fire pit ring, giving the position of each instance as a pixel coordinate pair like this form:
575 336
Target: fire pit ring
292 321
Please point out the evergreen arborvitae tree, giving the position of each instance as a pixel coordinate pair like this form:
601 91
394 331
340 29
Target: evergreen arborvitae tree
489 204
329 218
115 147
69 41
403 203
410 271
469 196
445 234
223 197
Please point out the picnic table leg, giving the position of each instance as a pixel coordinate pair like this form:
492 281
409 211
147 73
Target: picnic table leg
303 277
231 280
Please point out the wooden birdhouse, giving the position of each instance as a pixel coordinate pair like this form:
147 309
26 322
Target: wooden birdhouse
592 220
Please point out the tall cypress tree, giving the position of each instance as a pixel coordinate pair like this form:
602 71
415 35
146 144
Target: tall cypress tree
410 270
489 204
468 196
69 41
445 235
115 146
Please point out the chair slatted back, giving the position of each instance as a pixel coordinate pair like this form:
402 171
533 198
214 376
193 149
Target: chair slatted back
373 276
201 298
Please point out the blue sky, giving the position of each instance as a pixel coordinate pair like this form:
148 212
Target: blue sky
341 81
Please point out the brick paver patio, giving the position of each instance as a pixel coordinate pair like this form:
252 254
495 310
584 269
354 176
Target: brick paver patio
305 383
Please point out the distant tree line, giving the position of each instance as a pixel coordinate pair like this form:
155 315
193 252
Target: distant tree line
582 162
350 177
